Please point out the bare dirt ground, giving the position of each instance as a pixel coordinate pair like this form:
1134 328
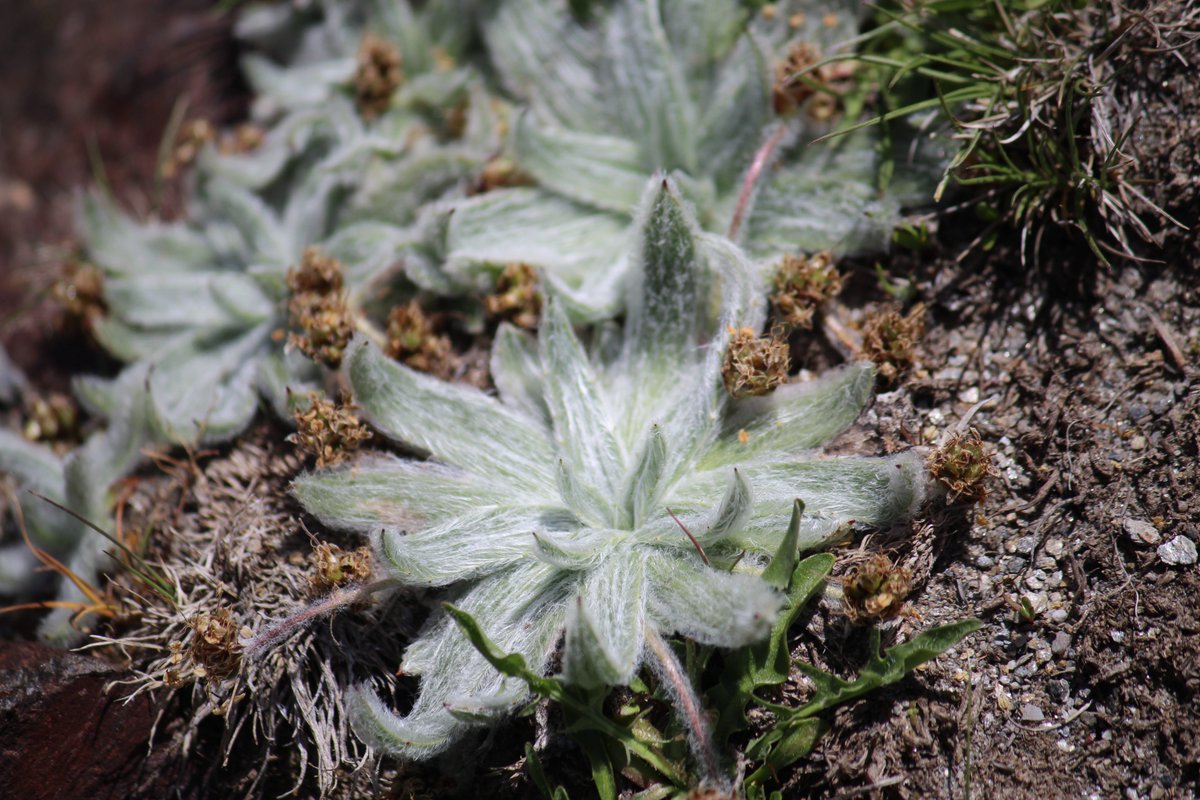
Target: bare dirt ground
1084 680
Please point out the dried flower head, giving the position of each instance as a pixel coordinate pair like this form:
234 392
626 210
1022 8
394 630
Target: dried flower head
80 292
215 648
875 589
327 430
802 285
193 135
317 308
245 138
517 298
755 365
380 72
334 567
52 418
502 173
963 465
412 339
791 88
890 340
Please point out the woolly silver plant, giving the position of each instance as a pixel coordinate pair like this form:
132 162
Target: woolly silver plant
681 86
544 509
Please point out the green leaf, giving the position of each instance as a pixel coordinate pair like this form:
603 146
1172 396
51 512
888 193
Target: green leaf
778 573
604 637
457 424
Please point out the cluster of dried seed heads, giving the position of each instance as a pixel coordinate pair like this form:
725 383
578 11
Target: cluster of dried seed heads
80 293
963 466
802 285
52 418
412 339
890 340
799 80
517 298
875 589
334 567
317 308
380 72
501 173
328 431
755 365
215 649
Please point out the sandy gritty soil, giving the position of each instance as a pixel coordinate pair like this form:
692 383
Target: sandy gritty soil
1084 680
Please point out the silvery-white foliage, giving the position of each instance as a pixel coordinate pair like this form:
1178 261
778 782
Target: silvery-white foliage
80 481
543 509
681 86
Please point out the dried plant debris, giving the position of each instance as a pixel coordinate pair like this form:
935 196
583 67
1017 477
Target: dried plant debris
517 298
890 340
755 365
52 418
317 308
193 136
80 293
380 72
874 590
327 430
335 568
802 285
799 80
963 465
240 563
412 339
502 173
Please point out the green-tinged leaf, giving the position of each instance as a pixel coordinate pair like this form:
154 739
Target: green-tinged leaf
647 89
455 674
664 314
533 765
388 492
582 432
500 536
296 86
604 640
778 573
734 118
795 417
645 480
122 247
783 746
517 372
544 57
605 172
456 424
706 604
531 226
731 513
880 670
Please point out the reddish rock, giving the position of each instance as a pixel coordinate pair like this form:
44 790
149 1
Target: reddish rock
62 737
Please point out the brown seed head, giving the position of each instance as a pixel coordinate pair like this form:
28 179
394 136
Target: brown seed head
502 173
791 88
215 648
52 418
244 139
193 135
80 293
802 285
328 431
380 72
317 308
755 365
875 590
963 466
890 340
413 339
334 567
517 298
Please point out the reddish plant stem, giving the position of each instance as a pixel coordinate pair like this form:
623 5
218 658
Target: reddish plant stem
285 627
761 158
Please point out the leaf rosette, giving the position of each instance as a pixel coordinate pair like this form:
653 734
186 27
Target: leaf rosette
544 509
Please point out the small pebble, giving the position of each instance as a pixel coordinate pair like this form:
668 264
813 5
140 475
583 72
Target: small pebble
969 395
1014 565
1141 532
1026 544
1031 713
1137 443
1053 547
1061 643
1160 407
1059 615
985 562
1138 410
1179 552
1058 690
